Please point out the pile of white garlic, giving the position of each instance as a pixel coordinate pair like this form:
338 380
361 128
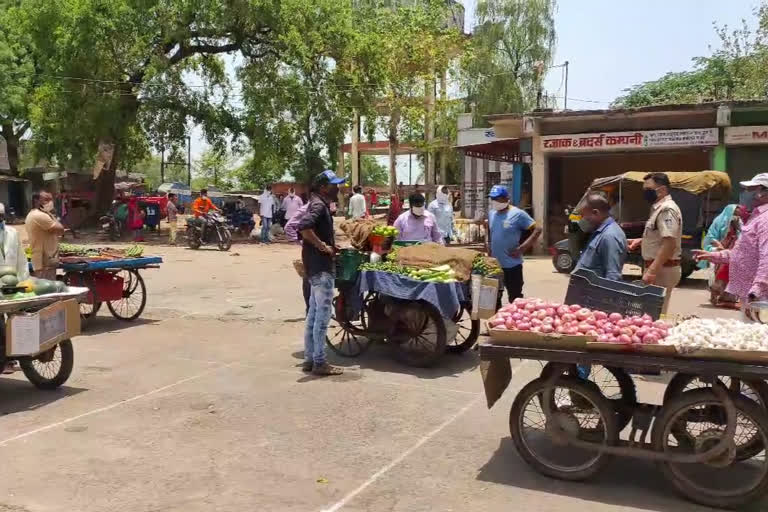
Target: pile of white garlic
720 333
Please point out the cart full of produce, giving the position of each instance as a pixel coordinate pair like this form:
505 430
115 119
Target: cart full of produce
417 299
708 435
112 276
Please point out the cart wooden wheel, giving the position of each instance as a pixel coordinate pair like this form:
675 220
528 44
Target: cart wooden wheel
346 336
50 369
614 383
578 410
467 332
134 299
88 310
724 481
419 336
755 390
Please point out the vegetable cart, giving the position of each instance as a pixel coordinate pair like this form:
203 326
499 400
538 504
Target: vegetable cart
117 282
422 320
709 436
46 322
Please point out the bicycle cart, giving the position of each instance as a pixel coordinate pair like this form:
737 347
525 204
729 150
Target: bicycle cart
421 320
37 333
116 282
709 435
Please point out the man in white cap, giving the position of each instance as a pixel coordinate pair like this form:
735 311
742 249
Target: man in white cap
748 260
11 251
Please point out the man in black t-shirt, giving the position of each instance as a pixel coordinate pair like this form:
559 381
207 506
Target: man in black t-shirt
317 253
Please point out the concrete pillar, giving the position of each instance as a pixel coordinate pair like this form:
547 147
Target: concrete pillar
355 150
719 160
540 185
429 131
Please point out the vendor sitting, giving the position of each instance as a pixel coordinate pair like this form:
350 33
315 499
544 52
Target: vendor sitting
417 224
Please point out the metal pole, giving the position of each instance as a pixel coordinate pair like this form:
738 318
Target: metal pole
565 101
189 162
162 165
410 168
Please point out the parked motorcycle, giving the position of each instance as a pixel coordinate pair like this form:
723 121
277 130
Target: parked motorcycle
112 226
211 228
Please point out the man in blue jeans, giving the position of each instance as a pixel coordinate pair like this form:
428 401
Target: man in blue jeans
317 252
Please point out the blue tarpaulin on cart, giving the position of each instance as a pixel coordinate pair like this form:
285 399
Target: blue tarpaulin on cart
446 297
112 264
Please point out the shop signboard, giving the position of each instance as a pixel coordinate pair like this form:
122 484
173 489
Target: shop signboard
746 135
613 141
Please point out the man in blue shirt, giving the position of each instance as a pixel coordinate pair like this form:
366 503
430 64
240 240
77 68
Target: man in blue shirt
507 225
607 245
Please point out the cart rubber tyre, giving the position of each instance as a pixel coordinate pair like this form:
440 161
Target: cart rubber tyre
426 359
193 240
67 360
139 285
758 395
588 391
343 341
662 431
563 262
458 346
225 243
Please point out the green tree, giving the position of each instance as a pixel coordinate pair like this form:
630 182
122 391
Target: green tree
512 46
17 81
214 168
372 173
253 174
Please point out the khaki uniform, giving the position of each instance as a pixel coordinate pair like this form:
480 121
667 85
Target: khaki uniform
44 242
665 221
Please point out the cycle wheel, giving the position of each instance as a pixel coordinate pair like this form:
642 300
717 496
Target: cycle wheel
50 369
589 417
467 332
344 334
724 481
420 336
134 299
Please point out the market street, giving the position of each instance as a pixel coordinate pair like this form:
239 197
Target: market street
199 405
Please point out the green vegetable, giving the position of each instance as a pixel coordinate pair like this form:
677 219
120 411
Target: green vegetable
134 251
7 270
9 280
44 287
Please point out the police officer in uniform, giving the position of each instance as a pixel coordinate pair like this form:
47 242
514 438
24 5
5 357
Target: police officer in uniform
661 242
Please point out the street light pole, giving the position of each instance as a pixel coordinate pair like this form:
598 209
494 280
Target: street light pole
189 162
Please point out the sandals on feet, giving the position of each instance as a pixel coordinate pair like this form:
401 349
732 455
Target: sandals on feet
323 370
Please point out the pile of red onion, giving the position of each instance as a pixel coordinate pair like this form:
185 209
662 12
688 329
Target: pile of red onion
537 315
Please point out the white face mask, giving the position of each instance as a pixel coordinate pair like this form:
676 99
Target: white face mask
291 194
418 211
48 206
442 197
498 205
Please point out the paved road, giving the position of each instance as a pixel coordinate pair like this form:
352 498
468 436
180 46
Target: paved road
200 406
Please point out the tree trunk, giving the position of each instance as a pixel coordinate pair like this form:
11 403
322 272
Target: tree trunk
12 146
104 186
394 121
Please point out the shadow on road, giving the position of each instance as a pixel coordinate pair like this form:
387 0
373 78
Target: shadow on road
19 395
105 324
624 482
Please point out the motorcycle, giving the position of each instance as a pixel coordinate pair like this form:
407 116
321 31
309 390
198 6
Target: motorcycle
209 229
112 226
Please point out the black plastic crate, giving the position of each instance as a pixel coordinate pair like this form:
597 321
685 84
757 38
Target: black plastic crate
588 289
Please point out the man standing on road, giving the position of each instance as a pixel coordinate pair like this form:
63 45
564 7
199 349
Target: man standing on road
417 224
357 203
291 204
662 238
506 226
317 253
748 260
442 209
43 231
606 248
266 211
173 213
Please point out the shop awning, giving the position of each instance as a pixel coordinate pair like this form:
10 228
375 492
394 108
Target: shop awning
698 182
502 150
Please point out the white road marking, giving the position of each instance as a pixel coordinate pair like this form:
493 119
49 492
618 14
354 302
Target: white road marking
111 406
381 472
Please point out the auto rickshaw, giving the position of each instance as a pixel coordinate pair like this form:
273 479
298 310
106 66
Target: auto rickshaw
700 195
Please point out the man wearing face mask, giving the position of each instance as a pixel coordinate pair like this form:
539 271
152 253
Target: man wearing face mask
43 231
317 253
748 260
661 242
506 226
417 224
607 245
442 209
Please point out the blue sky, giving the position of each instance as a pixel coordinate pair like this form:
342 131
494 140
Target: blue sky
614 44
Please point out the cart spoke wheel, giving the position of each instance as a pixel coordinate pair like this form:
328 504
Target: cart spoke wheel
578 410
466 334
423 342
725 481
346 338
134 299
88 310
50 369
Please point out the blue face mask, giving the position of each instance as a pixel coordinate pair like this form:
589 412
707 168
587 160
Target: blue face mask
747 199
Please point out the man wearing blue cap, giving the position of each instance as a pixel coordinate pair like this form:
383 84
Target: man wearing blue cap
506 226
317 252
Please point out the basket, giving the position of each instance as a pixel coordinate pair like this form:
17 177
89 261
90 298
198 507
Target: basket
381 244
590 290
347 263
